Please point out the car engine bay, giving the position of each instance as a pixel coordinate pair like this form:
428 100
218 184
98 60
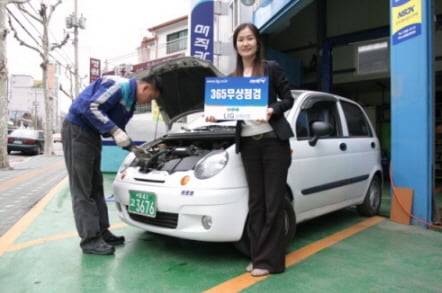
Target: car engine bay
174 155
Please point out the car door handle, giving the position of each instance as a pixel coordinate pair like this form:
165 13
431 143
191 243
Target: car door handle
343 146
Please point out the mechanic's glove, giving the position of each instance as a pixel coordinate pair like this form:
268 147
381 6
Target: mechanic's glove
122 139
139 152
130 147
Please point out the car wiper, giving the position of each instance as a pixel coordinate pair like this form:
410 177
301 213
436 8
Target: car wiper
213 127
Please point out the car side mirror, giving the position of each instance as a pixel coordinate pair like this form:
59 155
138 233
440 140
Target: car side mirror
320 129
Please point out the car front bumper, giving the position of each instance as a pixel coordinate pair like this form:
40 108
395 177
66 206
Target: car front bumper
181 212
27 148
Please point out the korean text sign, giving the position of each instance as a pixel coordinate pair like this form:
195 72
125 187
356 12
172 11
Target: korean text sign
236 98
201 33
94 69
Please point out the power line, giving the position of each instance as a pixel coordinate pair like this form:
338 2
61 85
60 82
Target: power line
65 56
112 62
32 7
60 51
66 60
29 21
23 27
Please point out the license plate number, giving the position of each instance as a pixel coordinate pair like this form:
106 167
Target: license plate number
18 142
143 203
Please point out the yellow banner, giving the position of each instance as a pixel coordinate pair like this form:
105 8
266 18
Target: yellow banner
406 14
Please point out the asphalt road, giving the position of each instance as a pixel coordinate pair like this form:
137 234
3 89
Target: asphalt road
31 178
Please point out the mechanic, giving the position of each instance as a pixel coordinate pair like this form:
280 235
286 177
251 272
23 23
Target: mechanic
103 108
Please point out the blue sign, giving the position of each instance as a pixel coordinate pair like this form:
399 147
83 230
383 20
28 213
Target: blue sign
406 19
201 33
236 98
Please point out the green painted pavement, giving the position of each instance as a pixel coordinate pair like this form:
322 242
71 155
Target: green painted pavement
387 257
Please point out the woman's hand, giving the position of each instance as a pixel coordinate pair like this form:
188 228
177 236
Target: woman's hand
210 119
269 114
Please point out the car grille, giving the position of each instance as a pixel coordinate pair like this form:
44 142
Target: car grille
162 219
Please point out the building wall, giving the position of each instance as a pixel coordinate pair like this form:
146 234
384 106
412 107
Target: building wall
163 33
228 14
26 96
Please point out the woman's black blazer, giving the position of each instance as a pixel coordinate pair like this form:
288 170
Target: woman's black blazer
280 99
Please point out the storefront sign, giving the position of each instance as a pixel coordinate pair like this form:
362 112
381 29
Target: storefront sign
201 33
236 98
94 69
406 19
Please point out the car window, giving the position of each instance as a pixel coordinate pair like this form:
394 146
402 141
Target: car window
357 123
302 130
325 111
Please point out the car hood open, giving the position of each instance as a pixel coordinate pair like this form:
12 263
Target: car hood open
183 81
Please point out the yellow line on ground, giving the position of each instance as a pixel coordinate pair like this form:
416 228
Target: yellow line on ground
15 231
53 238
8 239
246 280
26 176
317 246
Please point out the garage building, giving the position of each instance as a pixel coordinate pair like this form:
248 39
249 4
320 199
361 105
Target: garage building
386 55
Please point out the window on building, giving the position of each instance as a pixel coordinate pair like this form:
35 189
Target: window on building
177 42
373 58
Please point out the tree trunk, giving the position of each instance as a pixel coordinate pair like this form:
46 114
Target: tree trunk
48 98
4 160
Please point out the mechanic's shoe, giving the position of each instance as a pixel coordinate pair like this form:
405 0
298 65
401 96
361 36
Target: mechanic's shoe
112 239
249 267
102 248
260 272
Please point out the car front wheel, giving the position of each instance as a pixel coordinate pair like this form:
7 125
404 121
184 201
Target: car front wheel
243 245
372 201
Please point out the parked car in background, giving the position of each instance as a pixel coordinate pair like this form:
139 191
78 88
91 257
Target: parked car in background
191 184
27 141
56 137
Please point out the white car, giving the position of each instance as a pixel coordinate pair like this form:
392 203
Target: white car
191 184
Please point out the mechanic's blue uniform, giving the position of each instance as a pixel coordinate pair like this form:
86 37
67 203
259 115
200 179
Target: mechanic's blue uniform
105 104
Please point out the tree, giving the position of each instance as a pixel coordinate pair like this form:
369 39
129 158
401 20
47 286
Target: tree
43 18
4 161
70 75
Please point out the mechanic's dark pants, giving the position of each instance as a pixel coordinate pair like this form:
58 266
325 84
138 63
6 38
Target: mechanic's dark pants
266 163
82 153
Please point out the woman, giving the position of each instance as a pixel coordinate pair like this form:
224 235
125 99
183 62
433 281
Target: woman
265 152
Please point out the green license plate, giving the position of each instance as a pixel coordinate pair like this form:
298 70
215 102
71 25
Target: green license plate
143 203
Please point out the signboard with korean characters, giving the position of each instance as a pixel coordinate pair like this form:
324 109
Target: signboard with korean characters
236 98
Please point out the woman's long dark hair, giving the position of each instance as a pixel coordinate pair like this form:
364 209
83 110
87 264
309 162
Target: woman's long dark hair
258 66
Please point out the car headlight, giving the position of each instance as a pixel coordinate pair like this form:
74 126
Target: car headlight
211 164
126 162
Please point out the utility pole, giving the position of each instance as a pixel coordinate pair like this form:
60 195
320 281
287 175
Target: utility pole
72 21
